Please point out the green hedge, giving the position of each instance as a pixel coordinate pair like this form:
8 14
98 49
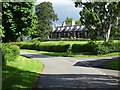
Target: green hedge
89 47
114 47
45 47
9 52
96 48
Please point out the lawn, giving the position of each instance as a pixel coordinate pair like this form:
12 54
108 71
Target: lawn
68 54
74 42
114 64
22 73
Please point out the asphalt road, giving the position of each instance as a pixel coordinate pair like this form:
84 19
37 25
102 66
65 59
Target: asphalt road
67 72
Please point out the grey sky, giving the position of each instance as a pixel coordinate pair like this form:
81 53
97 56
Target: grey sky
64 8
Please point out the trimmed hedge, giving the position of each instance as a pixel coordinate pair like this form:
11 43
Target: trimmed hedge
89 47
9 52
94 48
114 47
45 47
102 49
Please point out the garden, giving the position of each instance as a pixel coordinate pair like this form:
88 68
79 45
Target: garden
21 20
22 71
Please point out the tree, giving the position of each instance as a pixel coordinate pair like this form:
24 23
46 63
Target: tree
18 20
69 21
77 22
1 28
46 15
100 18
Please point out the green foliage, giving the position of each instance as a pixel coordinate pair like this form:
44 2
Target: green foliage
100 18
98 48
18 20
69 21
9 52
46 15
44 47
22 73
113 47
89 47
102 49
113 64
77 22
1 27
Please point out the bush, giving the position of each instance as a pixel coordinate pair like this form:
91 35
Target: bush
45 47
9 52
101 49
113 47
89 47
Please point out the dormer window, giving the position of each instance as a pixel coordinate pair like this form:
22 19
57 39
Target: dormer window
62 28
78 27
58 28
72 27
67 28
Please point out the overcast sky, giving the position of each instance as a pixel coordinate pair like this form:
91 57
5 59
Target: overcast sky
64 8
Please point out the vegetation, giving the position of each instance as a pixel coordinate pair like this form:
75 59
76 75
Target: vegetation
22 73
69 54
18 20
18 71
100 18
114 64
89 47
77 22
9 52
46 15
61 47
68 21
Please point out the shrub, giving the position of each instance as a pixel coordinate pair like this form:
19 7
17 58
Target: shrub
53 48
89 47
101 49
113 47
9 52
77 48
61 47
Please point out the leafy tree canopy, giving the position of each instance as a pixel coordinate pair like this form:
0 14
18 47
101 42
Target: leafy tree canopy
77 22
101 18
69 21
18 20
46 15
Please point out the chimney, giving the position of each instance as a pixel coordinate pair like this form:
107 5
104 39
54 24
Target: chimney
64 24
73 22
55 24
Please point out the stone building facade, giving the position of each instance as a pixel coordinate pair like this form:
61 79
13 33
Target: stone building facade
69 31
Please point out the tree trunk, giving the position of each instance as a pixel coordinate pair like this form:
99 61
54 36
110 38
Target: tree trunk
107 36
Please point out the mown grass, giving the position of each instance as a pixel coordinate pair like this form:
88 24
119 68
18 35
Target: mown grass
21 73
74 42
114 64
68 54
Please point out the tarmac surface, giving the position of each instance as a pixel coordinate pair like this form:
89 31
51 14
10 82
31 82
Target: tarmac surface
61 73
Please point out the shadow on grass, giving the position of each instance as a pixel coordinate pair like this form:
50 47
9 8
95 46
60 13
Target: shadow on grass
76 81
99 63
14 78
35 56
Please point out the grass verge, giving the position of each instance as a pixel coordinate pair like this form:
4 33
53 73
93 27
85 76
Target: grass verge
114 64
68 54
21 73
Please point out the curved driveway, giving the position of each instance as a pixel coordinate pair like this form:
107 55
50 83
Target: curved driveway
68 72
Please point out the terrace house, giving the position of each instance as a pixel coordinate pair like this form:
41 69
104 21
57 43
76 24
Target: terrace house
69 31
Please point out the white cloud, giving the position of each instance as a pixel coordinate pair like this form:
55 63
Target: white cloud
57 2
